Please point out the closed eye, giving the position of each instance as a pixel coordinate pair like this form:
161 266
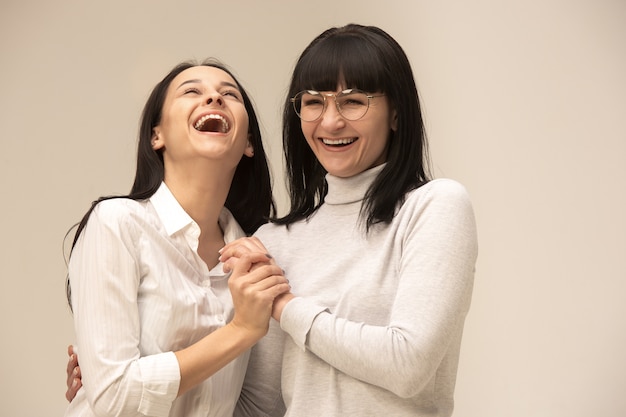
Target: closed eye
352 103
232 93
312 101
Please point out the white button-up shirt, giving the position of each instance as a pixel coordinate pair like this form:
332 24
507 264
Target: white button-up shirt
140 292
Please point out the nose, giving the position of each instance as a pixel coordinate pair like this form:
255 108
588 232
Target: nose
331 119
215 98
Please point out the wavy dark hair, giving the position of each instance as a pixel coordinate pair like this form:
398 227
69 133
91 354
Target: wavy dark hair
368 58
250 197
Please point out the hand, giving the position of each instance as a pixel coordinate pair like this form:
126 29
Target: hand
230 253
254 284
74 379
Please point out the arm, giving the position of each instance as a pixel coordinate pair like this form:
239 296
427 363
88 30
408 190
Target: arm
435 263
253 294
105 278
261 392
105 281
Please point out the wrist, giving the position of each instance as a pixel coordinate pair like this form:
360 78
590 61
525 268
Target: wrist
246 333
279 305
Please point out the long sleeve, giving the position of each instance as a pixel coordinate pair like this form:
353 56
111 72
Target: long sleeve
105 278
140 293
377 321
435 268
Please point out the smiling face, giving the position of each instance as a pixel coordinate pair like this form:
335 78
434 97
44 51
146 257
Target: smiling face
346 148
203 119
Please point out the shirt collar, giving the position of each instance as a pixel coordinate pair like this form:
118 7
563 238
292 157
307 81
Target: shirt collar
351 189
175 218
171 213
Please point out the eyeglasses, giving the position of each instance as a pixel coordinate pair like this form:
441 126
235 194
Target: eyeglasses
352 104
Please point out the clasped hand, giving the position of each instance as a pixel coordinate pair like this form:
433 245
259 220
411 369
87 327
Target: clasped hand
240 250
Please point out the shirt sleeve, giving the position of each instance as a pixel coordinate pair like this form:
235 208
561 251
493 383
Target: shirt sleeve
436 269
261 393
105 277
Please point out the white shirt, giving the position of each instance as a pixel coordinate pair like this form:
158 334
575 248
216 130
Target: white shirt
140 291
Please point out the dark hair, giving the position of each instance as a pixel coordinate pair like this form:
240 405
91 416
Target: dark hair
250 195
368 58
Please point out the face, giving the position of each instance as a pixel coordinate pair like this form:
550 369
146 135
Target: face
203 119
346 148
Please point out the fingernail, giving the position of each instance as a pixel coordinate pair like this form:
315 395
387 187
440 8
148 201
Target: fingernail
75 371
74 382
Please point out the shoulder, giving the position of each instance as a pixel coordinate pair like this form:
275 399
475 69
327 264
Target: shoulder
442 200
440 190
270 229
117 207
113 220
118 212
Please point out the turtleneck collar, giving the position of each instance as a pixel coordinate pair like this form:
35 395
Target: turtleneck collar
351 189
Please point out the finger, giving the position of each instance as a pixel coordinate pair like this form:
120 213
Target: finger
244 262
228 265
269 282
242 245
235 251
72 366
72 362
256 273
73 374
73 389
270 277
252 242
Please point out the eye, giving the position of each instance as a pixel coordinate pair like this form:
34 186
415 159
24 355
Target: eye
310 100
354 100
191 90
232 94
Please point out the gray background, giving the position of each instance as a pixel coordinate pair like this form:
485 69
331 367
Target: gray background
524 104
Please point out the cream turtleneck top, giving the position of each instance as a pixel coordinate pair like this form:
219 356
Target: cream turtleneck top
376 326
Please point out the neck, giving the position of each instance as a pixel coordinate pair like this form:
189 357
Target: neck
201 194
203 201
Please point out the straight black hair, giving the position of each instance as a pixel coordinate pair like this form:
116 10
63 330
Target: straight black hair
368 58
250 196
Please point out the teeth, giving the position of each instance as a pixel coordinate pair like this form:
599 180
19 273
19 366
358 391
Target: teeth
205 123
338 141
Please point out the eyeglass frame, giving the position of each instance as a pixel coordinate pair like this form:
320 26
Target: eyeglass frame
337 106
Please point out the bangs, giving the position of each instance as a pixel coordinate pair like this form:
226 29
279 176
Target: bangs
341 60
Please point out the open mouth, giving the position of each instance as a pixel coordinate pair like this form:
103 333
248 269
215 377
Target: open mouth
214 123
338 142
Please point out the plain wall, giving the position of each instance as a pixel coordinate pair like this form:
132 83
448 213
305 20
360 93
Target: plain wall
524 103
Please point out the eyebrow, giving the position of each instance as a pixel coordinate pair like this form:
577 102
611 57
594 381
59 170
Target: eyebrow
198 81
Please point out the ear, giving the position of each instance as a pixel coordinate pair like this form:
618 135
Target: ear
249 151
394 120
156 141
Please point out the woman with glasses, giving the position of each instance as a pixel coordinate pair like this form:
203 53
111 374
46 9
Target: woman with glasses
380 257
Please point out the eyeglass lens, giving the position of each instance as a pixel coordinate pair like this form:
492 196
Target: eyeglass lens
352 105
